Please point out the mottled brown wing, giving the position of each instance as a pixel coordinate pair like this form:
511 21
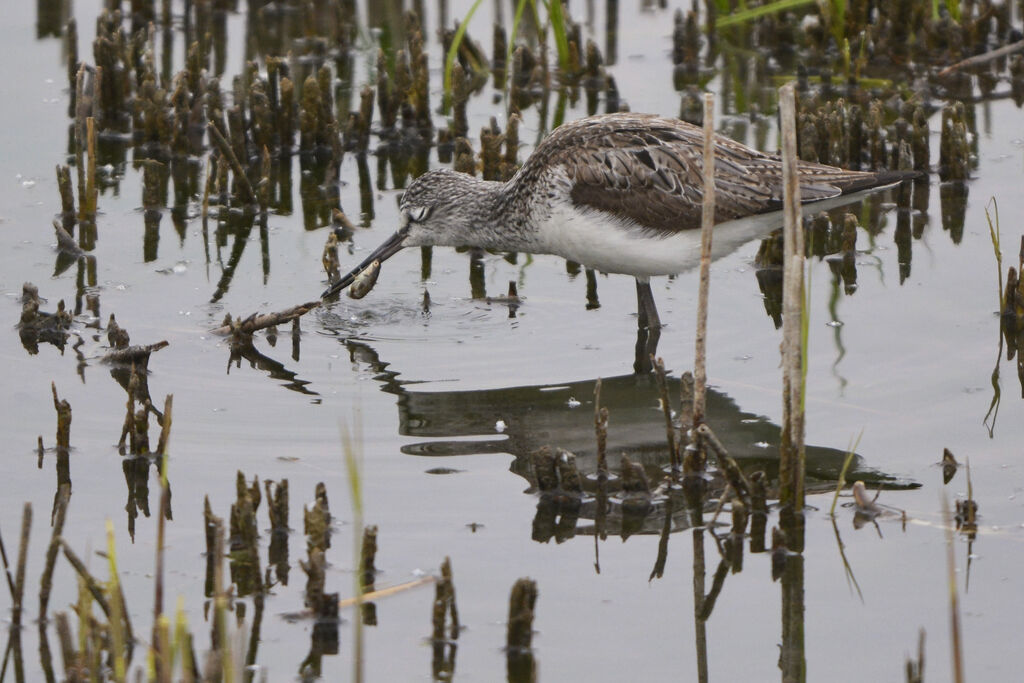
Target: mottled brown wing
649 170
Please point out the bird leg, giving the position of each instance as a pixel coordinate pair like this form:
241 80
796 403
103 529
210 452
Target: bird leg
647 312
648 330
646 348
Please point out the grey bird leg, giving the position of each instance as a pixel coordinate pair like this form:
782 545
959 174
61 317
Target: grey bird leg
648 330
647 312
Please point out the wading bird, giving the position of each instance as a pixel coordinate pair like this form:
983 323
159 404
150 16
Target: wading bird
620 193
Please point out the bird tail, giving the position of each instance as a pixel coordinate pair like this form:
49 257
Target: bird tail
881 179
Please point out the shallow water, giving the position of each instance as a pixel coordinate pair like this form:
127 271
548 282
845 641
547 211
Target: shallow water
904 363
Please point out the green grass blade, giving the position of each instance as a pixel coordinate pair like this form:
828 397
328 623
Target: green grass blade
449 60
746 15
841 482
520 6
557 19
352 449
993 231
117 635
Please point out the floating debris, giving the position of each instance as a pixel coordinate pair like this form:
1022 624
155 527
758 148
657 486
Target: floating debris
512 299
134 355
556 473
636 491
966 516
36 326
949 466
863 502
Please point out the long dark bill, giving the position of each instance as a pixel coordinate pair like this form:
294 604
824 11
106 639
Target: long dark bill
385 251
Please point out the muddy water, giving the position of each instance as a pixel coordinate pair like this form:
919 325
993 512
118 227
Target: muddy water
447 398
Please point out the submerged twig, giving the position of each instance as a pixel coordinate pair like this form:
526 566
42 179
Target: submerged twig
256 322
984 58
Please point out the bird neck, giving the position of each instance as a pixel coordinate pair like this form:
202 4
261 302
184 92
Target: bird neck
490 215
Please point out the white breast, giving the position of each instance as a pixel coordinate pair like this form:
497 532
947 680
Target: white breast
602 241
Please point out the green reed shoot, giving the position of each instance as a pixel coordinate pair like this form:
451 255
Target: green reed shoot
993 231
117 609
953 6
159 667
834 12
841 482
520 6
352 448
453 49
87 658
557 19
220 602
183 640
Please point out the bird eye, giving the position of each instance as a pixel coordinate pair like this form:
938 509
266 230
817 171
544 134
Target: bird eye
419 213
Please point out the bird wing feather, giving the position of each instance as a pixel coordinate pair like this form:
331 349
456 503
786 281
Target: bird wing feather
649 170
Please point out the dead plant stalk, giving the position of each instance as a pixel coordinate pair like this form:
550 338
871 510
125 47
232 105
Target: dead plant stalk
706 224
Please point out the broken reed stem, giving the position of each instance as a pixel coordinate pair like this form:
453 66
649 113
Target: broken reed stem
91 191
165 435
220 605
444 606
119 612
521 605
46 582
80 139
162 650
19 575
956 651
249 195
91 584
601 431
368 554
707 222
386 592
791 465
666 408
